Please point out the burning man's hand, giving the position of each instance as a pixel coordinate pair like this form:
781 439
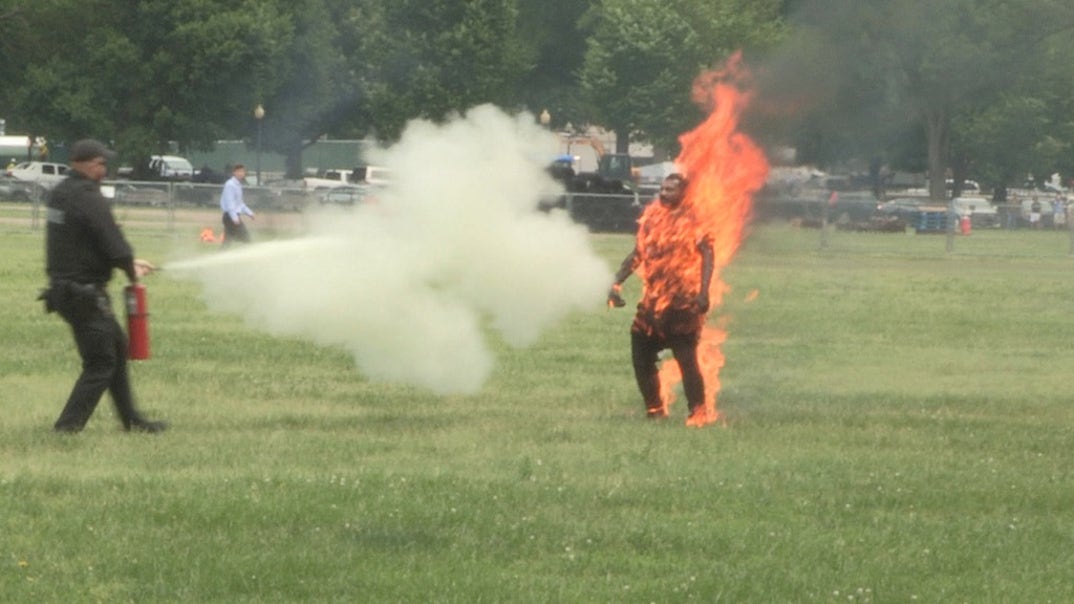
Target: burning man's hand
702 303
614 299
143 267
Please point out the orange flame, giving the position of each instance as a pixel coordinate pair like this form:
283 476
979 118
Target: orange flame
207 236
725 168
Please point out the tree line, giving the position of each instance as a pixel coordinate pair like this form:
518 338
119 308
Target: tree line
974 88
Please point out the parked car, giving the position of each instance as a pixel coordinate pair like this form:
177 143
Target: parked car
348 195
852 205
328 179
981 212
374 175
46 174
125 194
971 187
206 175
284 195
13 189
360 175
904 208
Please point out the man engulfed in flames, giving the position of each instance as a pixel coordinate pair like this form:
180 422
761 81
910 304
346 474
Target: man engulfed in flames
673 257
683 244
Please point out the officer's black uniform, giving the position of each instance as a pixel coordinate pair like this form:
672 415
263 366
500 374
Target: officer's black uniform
83 245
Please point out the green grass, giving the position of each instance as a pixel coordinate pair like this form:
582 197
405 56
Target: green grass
898 429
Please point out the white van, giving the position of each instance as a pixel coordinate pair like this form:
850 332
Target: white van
171 167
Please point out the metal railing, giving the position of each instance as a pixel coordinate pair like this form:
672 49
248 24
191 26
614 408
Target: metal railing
602 213
171 196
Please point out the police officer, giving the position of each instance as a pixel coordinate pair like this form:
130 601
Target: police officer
83 245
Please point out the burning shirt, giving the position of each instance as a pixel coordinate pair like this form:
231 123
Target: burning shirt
669 261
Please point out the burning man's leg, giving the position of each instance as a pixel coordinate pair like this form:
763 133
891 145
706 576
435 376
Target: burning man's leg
644 351
693 385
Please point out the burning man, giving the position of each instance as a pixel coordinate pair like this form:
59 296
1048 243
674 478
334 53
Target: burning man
674 259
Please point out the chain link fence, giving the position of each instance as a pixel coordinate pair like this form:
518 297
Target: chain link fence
163 201
166 198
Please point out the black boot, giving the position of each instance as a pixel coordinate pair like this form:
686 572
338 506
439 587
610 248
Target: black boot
147 426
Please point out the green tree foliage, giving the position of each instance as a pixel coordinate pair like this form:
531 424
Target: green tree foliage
1027 129
142 74
870 71
644 54
1021 123
14 41
555 34
305 87
145 74
432 58
977 86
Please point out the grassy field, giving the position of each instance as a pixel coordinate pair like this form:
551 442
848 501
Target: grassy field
898 429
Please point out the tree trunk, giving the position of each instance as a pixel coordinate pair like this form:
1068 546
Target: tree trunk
293 161
939 125
622 140
938 131
959 172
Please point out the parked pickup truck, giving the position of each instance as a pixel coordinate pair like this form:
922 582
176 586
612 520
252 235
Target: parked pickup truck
330 179
46 174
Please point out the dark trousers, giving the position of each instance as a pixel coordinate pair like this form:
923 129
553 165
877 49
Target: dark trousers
645 350
233 231
102 345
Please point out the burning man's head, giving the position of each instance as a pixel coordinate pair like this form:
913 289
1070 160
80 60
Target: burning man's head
673 189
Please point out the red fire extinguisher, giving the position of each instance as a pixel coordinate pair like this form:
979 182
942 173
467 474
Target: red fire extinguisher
137 322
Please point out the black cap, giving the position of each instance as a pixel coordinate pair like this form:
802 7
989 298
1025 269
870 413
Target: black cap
87 149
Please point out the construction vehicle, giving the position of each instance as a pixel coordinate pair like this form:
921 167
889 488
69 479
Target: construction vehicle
615 172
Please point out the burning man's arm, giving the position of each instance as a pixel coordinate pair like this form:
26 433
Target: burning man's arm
627 267
705 247
625 270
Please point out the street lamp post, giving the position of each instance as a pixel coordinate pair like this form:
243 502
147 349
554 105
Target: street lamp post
259 115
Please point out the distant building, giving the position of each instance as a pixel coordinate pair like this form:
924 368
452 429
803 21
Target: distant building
15 147
316 158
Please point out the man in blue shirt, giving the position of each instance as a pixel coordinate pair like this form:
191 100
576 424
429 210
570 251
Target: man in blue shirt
233 207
